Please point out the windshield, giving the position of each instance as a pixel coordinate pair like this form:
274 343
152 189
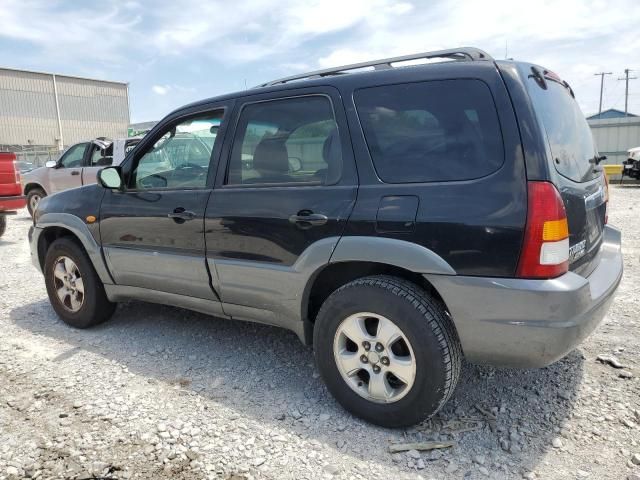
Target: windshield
568 132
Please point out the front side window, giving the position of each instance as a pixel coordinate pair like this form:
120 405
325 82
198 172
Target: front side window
288 141
431 131
181 157
73 157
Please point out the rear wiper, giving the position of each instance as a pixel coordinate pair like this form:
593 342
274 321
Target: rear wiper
555 78
597 159
542 77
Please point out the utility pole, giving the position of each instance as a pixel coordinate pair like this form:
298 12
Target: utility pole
602 74
626 88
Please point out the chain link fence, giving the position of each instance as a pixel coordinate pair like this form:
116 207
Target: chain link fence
32 156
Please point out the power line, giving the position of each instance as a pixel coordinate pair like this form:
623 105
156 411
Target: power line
626 88
602 74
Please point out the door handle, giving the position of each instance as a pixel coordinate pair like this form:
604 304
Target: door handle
181 214
75 172
308 219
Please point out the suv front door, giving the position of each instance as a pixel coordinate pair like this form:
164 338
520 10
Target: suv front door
68 172
283 200
152 230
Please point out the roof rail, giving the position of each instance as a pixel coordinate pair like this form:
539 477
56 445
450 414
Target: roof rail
462 53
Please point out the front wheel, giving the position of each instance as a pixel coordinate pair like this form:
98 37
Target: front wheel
387 351
3 224
74 288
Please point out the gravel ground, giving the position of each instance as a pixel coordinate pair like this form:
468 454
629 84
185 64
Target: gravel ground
159 392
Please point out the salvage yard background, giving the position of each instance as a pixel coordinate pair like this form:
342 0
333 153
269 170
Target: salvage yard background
159 392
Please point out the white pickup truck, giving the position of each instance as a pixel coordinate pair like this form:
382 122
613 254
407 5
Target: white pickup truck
77 166
631 166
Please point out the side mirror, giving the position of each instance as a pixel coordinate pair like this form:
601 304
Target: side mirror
110 178
51 164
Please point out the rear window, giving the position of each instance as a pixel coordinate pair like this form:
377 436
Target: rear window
431 131
568 132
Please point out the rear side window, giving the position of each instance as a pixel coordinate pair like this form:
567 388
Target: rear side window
568 132
287 141
431 131
101 157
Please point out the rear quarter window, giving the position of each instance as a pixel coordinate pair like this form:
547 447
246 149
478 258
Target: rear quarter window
433 131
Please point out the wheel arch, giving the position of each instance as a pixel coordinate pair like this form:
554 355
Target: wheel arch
33 185
352 259
57 225
335 275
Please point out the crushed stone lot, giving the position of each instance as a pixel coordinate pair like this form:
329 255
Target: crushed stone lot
160 392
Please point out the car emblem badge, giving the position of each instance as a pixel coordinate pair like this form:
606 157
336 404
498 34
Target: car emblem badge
576 251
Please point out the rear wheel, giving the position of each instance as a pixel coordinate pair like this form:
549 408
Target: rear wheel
387 350
33 198
3 224
74 288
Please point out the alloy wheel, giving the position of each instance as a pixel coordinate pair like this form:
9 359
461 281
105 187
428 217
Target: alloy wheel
68 283
374 357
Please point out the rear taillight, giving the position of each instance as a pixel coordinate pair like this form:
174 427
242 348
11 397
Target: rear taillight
545 251
16 169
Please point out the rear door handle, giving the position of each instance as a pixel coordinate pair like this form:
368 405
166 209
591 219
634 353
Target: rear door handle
181 214
306 219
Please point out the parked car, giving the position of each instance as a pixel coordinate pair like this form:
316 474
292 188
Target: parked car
395 219
11 198
631 166
77 166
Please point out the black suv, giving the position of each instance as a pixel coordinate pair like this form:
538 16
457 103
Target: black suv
397 219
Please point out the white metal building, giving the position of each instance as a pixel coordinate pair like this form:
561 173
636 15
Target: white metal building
50 111
615 134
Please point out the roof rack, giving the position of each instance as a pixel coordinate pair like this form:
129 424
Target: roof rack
462 53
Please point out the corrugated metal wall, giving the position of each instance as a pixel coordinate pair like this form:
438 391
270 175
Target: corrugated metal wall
88 108
27 108
615 136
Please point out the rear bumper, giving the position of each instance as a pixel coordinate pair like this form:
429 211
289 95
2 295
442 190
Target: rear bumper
11 203
531 323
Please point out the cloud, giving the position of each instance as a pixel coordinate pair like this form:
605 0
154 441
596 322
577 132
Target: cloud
173 88
188 49
160 89
67 35
574 38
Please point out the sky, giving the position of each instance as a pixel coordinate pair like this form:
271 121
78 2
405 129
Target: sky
173 52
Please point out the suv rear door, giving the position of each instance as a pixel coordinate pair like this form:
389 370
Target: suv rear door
285 188
572 159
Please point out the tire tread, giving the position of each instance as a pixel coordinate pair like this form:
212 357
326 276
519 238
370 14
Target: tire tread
433 311
89 315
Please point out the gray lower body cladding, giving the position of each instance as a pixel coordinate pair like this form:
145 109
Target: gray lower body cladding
530 323
500 321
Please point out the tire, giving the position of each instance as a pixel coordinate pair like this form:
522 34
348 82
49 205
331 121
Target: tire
3 224
428 337
94 306
33 197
